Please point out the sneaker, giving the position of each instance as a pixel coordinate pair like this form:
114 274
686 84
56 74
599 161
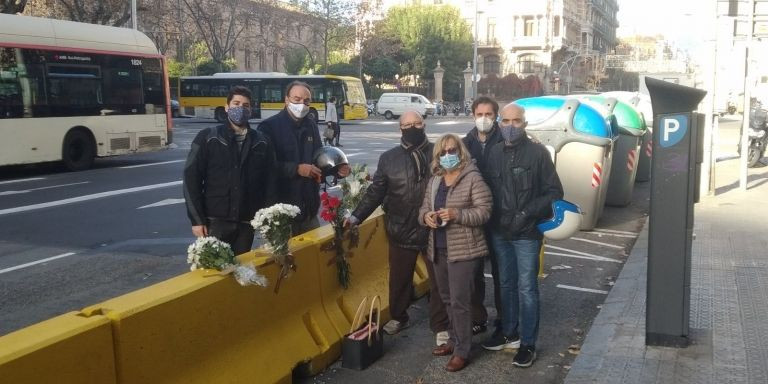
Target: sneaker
479 328
393 326
442 337
498 341
525 356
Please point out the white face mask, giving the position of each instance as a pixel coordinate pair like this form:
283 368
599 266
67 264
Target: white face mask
483 124
298 110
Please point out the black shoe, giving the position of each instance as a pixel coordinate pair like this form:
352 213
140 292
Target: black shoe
525 356
479 328
498 341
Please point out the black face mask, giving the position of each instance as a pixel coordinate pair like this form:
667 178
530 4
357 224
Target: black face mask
414 136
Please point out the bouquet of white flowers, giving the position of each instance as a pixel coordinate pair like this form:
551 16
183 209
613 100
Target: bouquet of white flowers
212 253
274 225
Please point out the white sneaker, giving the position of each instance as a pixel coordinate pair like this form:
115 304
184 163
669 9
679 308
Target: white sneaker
442 337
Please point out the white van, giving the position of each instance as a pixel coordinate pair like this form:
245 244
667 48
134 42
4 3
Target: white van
392 105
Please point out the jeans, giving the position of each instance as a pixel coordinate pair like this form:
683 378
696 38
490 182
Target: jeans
518 262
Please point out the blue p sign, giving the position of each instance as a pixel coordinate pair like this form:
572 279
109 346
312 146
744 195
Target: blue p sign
672 129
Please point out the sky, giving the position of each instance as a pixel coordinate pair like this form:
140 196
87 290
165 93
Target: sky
680 21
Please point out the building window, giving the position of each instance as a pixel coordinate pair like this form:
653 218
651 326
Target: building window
491 31
262 60
491 65
528 25
526 63
556 29
275 57
298 32
248 63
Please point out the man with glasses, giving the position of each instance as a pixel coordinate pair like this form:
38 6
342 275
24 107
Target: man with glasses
524 184
296 138
398 186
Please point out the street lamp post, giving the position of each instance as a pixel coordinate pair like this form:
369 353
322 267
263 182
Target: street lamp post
134 16
474 56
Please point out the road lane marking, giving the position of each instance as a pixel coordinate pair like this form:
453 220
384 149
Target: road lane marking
151 164
448 123
63 255
354 154
22 180
594 258
563 286
163 202
600 243
598 233
488 275
579 253
5 193
87 197
614 231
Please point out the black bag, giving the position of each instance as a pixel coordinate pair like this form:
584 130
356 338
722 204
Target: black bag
364 344
329 132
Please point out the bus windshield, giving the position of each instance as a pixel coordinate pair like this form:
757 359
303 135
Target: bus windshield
355 92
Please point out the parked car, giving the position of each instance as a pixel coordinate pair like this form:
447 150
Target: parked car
392 105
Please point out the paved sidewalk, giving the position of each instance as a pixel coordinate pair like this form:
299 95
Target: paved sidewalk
729 300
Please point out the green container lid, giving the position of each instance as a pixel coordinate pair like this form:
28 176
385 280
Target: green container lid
629 120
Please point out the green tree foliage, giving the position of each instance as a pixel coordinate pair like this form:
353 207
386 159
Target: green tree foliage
296 61
12 6
428 34
334 29
342 69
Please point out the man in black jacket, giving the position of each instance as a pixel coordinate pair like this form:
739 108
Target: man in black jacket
479 141
524 184
296 138
228 176
398 186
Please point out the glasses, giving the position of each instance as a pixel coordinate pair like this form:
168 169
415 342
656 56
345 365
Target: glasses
299 100
517 123
412 125
450 151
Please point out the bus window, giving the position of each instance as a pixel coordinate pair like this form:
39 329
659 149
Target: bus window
74 90
122 88
154 92
11 102
273 93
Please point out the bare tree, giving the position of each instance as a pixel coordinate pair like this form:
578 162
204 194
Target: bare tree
107 12
220 24
163 21
12 6
334 26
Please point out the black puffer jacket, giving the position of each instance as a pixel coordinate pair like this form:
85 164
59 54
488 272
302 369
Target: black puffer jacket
295 143
222 182
400 191
479 151
524 184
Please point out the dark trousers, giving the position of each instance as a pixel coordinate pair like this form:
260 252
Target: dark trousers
336 132
455 280
298 228
238 235
402 263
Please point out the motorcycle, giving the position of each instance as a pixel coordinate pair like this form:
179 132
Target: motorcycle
456 110
758 134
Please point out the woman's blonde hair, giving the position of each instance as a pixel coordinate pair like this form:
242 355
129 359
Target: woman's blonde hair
463 153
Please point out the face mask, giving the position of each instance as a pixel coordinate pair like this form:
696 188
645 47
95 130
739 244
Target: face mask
414 135
239 115
449 161
298 110
510 133
484 124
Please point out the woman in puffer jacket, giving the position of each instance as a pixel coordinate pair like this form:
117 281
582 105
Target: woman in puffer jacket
456 204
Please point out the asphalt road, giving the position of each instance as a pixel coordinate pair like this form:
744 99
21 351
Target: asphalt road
69 240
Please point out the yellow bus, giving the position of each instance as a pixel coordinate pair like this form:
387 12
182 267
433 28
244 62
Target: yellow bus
206 96
72 91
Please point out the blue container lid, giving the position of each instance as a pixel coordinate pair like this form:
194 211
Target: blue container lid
586 120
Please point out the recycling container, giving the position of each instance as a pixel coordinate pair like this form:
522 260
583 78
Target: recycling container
581 142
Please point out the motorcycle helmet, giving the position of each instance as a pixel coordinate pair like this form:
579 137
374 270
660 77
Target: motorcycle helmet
329 159
565 221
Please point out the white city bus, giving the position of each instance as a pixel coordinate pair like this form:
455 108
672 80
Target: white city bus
73 91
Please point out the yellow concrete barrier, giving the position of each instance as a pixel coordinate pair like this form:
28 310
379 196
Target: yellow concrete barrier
369 273
204 328
65 349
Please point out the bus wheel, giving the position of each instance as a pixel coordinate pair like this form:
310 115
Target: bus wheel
220 115
388 115
78 151
312 114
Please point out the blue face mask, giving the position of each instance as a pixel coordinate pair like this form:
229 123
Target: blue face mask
449 161
239 115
